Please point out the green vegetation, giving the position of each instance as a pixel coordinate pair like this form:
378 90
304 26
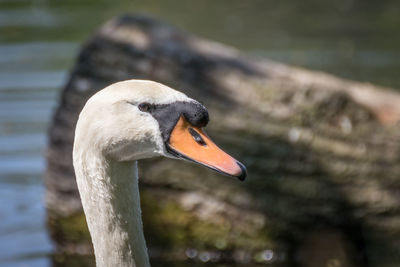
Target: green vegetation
167 224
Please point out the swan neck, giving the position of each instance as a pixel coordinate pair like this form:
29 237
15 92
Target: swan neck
110 197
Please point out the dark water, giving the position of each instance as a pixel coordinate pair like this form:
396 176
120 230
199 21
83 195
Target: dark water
39 40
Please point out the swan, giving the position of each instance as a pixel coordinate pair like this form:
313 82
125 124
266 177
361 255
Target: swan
122 123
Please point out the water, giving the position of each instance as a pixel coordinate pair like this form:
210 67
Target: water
39 41
28 92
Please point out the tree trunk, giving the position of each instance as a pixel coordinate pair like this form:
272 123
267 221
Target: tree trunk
323 184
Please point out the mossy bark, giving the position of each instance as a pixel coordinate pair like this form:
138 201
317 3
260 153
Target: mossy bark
321 153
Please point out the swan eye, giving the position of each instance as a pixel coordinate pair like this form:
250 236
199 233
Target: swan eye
197 137
145 107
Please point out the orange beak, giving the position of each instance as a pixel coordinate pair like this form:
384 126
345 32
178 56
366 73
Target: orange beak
191 143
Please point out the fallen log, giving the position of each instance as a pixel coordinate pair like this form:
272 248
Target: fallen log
321 153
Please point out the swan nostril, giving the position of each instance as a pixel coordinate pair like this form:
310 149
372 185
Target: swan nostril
197 137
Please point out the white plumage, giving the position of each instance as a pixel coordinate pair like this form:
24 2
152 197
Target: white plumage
111 135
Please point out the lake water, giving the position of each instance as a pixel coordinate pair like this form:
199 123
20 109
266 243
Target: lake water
39 41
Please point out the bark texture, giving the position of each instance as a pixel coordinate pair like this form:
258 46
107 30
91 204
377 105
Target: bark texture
322 154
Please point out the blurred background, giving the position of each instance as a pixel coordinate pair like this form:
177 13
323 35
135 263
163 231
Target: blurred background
39 41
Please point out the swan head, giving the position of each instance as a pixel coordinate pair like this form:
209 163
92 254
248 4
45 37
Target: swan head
138 119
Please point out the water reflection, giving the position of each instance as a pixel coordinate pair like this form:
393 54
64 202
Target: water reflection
28 91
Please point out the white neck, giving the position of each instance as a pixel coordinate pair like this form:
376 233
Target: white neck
110 197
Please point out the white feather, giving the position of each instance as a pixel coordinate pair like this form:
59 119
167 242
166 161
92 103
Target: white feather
111 134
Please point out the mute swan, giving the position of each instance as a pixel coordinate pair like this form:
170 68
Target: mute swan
119 125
